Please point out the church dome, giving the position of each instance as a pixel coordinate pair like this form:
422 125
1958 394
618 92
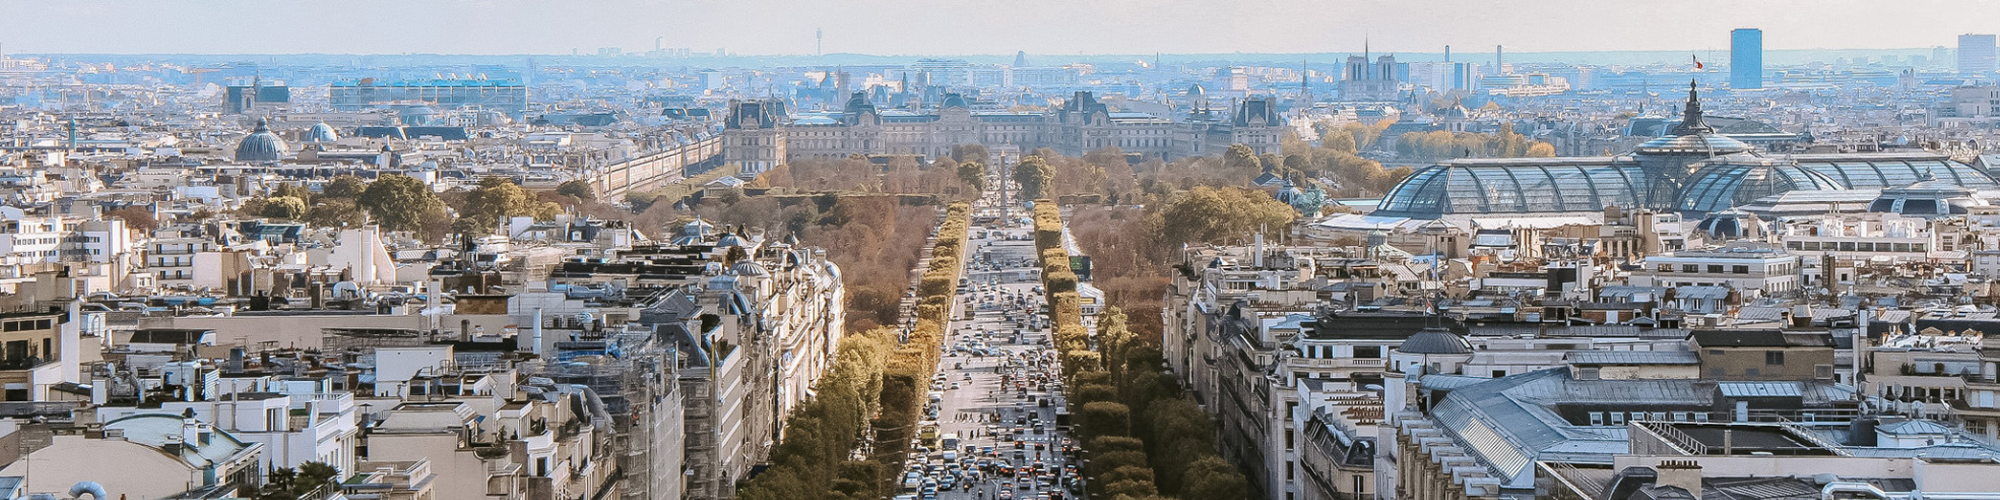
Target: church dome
1195 91
321 132
729 240
261 145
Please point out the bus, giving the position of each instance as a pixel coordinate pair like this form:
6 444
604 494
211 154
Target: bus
928 435
950 441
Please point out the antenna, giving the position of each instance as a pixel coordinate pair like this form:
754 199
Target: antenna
819 42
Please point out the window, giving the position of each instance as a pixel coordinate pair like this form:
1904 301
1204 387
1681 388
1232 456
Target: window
1586 373
1596 418
1715 268
1368 351
1774 358
1499 373
1690 268
1740 269
1617 418
1823 371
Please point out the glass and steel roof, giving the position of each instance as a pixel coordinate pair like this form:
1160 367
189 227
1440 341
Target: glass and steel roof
1877 171
1720 187
1515 186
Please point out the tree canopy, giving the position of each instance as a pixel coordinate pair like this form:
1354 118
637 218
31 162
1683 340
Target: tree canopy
1213 215
973 174
497 198
577 188
284 207
400 202
1035 176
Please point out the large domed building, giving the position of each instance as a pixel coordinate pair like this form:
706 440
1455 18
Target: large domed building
261 145
1693 170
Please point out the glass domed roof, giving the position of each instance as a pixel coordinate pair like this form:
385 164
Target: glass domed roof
1722 186
321 132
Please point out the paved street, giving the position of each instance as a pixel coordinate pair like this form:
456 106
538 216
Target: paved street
995 375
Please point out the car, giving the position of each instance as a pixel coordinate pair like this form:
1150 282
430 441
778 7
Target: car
1006 495
1026 485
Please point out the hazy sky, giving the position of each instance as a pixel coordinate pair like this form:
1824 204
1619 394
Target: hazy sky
910 27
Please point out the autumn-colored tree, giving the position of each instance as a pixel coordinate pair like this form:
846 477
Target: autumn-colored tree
1034 175
495 199
136 218
1541 150
1214 478
292 190
335 212
400 202
1217 215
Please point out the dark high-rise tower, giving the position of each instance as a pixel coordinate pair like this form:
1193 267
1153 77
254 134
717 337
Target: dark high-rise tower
1746 58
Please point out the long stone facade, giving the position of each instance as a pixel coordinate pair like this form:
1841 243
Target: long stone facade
760 134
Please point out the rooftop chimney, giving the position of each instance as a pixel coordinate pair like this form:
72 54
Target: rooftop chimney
1685 474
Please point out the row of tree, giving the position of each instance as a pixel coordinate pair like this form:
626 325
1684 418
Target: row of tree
1166 448
1445 144
403 203
910 367
813 461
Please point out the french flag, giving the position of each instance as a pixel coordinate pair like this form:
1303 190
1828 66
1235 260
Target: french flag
1697 61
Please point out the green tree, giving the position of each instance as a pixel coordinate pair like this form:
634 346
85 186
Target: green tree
973 174
346 186
577 188
497 198
1212 477
284 207
335 212
1034 175
400 202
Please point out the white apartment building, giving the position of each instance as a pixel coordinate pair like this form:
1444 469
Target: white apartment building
1753 269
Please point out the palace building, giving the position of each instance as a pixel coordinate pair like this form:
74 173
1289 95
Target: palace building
759 134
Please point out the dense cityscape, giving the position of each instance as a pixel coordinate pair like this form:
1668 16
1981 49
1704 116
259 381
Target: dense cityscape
1724 271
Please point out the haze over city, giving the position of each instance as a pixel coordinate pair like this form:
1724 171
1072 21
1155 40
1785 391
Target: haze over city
1000 250
963 27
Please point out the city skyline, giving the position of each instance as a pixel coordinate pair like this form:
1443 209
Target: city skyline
507 27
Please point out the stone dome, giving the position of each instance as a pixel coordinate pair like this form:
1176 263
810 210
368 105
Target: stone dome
261 145
1435 341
